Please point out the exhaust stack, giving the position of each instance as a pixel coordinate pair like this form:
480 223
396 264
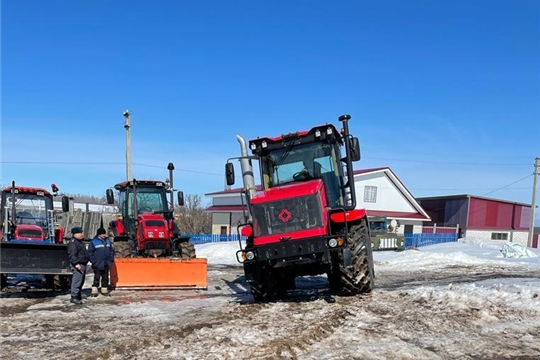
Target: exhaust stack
247 174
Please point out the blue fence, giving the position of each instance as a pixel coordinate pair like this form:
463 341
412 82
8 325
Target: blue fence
211 238
411 240
418 240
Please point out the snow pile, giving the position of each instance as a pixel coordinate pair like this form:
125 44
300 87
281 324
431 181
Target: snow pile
515 250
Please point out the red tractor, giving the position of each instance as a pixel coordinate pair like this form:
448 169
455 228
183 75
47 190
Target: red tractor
304 221
29 242
147 226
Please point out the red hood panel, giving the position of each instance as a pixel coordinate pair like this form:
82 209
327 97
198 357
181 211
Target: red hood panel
288 191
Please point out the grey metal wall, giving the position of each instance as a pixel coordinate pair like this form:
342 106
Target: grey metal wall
90 221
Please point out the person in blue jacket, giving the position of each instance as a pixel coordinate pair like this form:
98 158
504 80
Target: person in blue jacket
101 254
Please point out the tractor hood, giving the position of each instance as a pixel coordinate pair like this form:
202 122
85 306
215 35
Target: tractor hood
290 212
289 190
29 232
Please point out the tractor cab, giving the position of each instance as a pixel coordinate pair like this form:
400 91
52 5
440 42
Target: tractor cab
27 214
304 156
139 197
146 223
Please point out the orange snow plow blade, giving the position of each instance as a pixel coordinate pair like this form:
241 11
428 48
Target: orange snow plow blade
158 274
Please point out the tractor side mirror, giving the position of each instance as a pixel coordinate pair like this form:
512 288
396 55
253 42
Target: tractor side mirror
354 146
110 196
229 173
65 204
180 199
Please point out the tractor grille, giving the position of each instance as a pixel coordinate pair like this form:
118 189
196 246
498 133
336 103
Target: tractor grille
287 215
30 233
156 245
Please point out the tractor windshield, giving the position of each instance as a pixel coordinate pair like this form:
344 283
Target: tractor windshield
304 162
148 199
30 209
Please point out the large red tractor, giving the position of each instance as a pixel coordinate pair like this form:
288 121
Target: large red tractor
304 221
146 227
29 241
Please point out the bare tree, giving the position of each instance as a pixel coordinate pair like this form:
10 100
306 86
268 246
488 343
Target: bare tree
192 219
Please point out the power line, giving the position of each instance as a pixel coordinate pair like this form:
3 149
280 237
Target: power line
502 187
102 163
446 162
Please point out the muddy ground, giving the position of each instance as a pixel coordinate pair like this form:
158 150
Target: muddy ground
411 315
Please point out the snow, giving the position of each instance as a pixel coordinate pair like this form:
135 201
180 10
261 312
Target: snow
454 300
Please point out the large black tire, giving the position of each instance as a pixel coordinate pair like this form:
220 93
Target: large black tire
271 287
58 282
122 249
187 250
3 281
359 276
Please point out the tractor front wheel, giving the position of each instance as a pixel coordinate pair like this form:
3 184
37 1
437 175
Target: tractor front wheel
359 276
187 250
122 249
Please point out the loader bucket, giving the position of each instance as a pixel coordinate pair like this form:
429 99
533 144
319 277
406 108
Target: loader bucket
158 274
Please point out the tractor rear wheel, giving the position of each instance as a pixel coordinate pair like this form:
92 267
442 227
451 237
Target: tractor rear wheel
359 276
187 250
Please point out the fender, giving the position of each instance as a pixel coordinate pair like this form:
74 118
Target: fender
117 228
352 215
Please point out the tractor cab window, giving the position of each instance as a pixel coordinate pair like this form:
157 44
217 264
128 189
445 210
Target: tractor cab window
377 225
150 200
305 162
30 209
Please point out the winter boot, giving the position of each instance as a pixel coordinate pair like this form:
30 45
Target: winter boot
94 291
75 300
105 292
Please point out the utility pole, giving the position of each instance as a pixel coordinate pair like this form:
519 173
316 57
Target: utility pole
533 204
127 126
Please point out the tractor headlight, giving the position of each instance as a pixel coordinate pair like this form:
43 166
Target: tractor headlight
250 255
151 234
161 234
317 133
264 145
332 243
253 146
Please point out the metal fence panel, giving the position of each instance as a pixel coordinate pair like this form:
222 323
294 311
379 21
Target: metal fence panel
419 240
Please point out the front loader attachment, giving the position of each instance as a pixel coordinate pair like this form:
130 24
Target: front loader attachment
159 274
37 258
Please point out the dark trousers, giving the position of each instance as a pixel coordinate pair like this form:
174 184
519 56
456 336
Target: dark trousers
77 281
101 276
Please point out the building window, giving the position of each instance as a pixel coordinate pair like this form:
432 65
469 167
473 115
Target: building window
499 236
370 194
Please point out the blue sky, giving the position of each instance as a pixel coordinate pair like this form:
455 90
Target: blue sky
446 93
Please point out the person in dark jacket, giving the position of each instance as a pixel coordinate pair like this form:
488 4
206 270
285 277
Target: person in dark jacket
78 259
101 256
